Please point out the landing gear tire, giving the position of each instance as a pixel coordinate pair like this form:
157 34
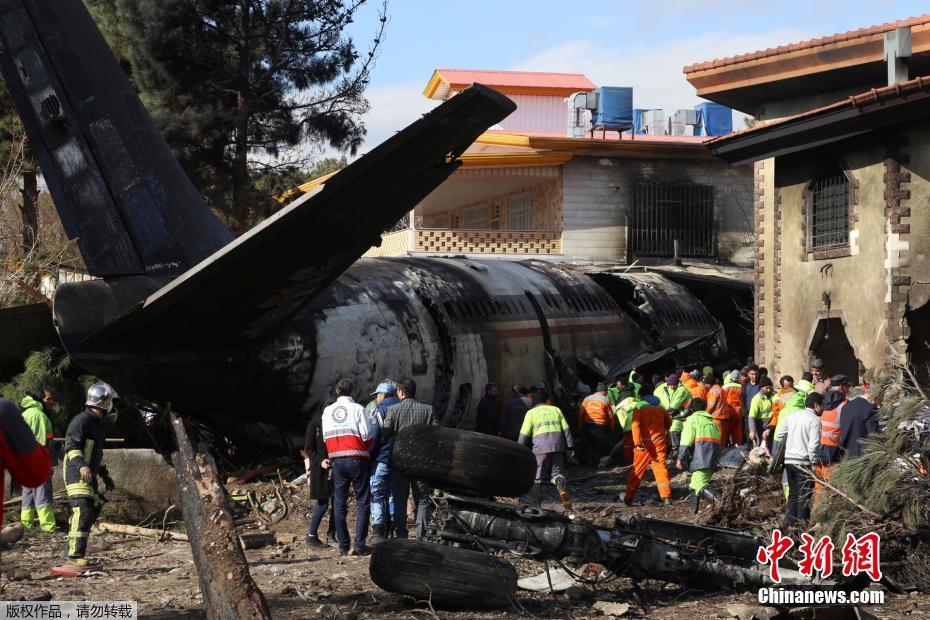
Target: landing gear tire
446 576
465 461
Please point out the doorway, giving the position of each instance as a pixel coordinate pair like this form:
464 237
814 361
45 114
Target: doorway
831 345
918 343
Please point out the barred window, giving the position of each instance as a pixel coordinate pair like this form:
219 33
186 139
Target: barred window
828 219
520 212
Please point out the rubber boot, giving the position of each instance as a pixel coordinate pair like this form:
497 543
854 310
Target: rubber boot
695 503
377 535
710 493
47 519
27 517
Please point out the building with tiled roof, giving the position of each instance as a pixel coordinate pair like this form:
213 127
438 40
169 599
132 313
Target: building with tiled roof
841 168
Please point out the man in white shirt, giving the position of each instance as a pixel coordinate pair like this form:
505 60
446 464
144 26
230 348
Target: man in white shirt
801 434
348 439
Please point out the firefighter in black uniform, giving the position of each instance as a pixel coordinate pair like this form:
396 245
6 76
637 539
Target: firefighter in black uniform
83 453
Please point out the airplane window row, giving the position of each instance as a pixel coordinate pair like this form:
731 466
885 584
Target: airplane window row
582 303
485 309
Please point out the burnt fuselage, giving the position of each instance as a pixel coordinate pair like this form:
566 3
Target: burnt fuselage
452 324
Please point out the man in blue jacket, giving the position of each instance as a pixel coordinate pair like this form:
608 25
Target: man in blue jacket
385 396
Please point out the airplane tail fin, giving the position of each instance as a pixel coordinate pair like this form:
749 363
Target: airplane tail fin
115 183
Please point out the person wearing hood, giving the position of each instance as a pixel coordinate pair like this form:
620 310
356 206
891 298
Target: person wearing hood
700 453
673 396
624 412
733 392
760 412
719 408
801 434
37 501
548 435
792 400
380 481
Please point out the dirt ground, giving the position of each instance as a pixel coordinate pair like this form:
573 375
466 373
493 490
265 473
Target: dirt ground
302 583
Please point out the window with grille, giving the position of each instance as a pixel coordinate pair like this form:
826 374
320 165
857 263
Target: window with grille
455 221
475 218
495 217
665 213
828 212
520 212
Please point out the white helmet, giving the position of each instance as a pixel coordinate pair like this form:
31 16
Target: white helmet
101 395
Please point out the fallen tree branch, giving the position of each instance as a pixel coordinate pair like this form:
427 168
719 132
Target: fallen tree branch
848 498
144 532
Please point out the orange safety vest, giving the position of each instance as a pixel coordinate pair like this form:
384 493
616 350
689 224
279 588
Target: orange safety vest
650 425
734 397
597 410
694 386
717 404
830 431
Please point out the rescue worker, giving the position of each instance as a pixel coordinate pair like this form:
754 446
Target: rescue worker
673 396
28 462
733 393
347 434
408 412
760 412
37 501
488 421
546 432
700 453
719 408
801 435
650 424
692 382
831 434
623 410
82 465
385 396
596 421
781 411
821 381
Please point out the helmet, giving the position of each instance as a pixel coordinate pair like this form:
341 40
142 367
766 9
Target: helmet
101 395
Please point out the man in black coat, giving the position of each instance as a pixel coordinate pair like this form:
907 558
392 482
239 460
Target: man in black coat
858 421
488 421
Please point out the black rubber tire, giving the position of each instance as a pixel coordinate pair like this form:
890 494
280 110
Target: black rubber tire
465 461
449 577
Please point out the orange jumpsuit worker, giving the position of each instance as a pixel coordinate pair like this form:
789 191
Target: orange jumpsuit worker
694 385
733 392
596 420
719 408
650 426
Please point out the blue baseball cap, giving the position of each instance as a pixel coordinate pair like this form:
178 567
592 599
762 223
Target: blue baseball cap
385 388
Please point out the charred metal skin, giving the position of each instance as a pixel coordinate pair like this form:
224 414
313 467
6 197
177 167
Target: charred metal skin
636 547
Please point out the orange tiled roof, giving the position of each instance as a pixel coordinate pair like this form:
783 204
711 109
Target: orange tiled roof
874 95
822 41
509 82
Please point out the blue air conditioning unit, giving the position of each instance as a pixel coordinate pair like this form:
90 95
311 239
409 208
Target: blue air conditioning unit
614 108
713 119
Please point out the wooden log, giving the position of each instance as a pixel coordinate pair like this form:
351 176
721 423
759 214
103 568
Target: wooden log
144 532
256 540
227 588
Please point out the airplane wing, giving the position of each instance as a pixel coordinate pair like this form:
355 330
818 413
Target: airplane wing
262 277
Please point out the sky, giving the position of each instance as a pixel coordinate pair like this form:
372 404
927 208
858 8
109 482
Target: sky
621 43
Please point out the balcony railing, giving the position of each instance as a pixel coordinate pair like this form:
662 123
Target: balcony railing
458 241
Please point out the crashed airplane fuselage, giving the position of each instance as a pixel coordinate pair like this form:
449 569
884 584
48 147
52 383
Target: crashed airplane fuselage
262 326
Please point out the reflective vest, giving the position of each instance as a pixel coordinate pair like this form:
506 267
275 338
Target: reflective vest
831 433
760 407
595 409
717 404
650 424
546 429
733 392
700 439
624 412
672 398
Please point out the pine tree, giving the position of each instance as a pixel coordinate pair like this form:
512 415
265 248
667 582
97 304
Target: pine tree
237 85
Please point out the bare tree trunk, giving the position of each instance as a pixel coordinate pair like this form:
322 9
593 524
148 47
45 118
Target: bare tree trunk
227 588
30 208
240 164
